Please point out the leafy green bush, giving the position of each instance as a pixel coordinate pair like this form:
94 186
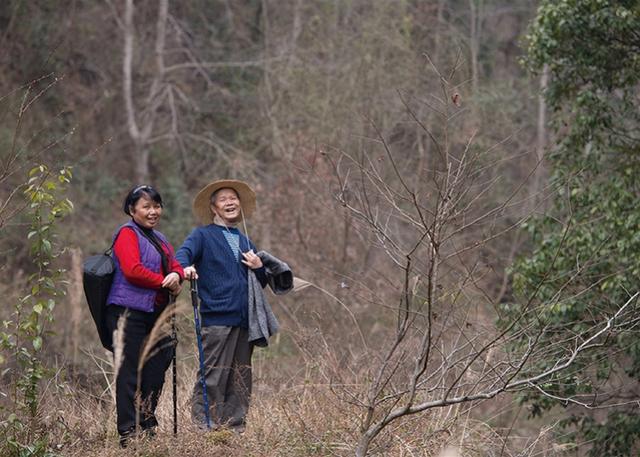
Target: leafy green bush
22 338
585 264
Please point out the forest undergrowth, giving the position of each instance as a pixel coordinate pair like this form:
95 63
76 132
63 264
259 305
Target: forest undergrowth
302 417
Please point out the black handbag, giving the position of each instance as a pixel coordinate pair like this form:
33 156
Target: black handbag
97 277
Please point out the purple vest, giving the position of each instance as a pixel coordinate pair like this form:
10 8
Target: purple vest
124 293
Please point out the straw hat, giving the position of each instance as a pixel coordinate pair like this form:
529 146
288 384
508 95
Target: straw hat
202 202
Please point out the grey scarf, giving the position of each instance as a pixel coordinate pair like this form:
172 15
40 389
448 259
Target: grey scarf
262 322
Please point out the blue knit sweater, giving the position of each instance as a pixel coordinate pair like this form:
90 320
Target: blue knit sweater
222 278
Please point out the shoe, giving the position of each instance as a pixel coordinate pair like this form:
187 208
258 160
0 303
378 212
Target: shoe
147 433
125 439
238 429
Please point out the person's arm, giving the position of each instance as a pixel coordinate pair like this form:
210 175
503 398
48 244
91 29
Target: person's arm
251 260
127 250
174 265
173 280
190 253
191 250
261 274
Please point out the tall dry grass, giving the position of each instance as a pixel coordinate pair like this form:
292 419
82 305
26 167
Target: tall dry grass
294 413
295 422
300 405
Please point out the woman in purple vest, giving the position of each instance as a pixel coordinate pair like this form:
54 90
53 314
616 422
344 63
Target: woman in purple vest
147 273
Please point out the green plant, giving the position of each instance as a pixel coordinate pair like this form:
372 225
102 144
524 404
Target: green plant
584 266
22 338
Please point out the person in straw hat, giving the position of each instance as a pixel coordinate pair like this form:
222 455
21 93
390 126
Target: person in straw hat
219 255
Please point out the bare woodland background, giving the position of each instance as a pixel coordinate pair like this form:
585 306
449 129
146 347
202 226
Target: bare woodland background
396 148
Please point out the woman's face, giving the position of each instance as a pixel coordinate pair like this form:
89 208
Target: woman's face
146 212
227 206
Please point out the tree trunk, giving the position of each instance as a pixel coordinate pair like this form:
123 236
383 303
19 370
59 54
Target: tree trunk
141 157
75 302
141 135
475 20
541 135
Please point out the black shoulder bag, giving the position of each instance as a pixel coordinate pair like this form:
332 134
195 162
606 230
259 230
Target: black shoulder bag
97 277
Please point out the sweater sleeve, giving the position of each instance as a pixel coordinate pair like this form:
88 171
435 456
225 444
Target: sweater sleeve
174 265
127 250
191 250
261 273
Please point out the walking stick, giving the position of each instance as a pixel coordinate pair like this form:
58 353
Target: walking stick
174 337
196 317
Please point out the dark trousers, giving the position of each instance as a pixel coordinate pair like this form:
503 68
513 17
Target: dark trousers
227 354
137 327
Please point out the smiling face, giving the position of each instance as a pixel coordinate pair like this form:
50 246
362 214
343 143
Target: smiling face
226 205
146 212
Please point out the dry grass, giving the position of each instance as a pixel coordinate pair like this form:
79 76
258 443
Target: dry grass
300 420
296 410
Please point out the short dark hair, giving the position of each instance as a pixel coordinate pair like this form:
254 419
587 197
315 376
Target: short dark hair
137 193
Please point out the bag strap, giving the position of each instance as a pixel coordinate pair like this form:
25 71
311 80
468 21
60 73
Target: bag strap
153 240
163 256
109 251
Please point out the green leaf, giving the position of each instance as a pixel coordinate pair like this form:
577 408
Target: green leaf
46 247
590 50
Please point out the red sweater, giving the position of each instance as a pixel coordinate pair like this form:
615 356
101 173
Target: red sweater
128 252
